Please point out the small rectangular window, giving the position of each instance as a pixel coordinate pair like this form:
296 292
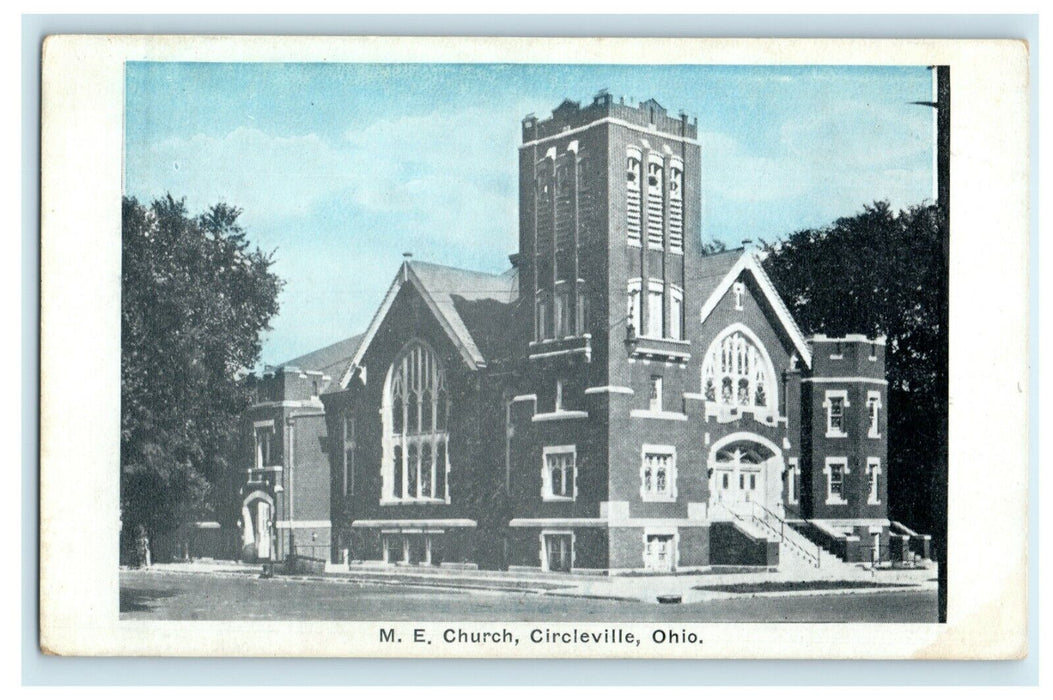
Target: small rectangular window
655 302
541 331
264 439
836 422
656 394
581 316
836 469
562 316
873 474
873 411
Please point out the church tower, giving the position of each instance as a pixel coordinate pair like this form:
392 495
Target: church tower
609 225
609 247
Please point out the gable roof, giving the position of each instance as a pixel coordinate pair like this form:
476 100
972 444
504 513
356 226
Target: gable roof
444 289
329 360
722 272
714 268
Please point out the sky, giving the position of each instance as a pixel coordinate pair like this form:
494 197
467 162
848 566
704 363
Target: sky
340 168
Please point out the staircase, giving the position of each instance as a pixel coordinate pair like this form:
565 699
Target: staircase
757 521
789 539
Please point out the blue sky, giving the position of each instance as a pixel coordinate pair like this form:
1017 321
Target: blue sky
342 167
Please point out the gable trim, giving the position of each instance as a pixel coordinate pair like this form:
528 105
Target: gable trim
405 274
749 263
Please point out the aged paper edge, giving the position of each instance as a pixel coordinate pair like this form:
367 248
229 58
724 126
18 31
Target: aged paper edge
82 135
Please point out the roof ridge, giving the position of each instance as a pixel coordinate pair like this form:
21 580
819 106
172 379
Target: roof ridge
416 263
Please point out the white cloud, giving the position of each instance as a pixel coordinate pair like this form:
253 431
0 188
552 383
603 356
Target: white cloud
264 174
822 160
450 177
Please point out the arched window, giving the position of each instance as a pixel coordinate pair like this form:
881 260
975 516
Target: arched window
737 372
415 415
676 207
633 175
655 200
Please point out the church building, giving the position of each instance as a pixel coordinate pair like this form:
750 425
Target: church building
618 400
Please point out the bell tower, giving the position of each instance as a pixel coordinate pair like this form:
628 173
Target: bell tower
609 222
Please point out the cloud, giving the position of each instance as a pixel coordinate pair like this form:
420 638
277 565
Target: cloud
264 174
450 177
845 155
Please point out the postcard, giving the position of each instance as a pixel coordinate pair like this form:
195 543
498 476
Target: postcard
469 347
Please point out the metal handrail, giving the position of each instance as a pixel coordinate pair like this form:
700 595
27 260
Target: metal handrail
813 557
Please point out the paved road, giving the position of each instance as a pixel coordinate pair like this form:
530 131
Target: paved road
150 595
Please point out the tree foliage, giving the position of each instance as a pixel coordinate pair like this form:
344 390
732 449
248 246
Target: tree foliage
195 297
882 272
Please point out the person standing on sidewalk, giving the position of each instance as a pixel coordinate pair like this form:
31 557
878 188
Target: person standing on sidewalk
142 547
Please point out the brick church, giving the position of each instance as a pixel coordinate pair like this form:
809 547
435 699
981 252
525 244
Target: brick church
617 401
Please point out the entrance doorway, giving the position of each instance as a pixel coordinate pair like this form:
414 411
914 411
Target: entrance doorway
744 472
257 528
558 551
660 552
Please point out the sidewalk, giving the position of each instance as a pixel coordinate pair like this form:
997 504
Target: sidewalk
645 588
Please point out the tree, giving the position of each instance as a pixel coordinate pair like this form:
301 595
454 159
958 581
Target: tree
195 297
882 272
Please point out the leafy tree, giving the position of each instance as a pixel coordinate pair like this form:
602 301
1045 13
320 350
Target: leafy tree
713 246
195 297
882 272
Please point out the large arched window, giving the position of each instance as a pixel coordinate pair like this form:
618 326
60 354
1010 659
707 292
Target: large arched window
415 412
737 372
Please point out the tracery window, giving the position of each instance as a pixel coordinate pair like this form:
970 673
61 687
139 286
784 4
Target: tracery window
558 473
738 374
658 473
416 439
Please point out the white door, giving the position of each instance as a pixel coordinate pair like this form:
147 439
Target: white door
659 553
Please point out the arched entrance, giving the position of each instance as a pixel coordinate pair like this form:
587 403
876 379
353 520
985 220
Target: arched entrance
257 527
744 469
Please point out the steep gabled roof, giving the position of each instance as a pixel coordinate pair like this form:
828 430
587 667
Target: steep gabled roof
329 360
714 268
446 291
732 264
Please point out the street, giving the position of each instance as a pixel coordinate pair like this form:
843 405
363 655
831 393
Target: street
149 595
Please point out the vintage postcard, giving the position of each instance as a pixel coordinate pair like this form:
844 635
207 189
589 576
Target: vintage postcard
534 348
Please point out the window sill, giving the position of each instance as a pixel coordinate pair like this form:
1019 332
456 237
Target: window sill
836 501
549 498
559 415
874 436
659 415
413 501
836 435
657 499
